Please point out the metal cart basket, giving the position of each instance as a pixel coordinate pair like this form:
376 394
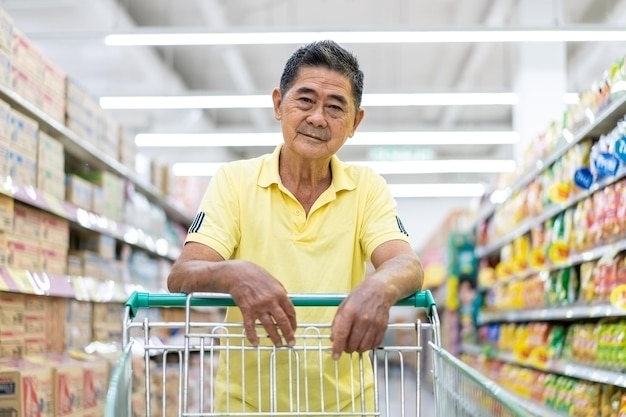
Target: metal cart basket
211 370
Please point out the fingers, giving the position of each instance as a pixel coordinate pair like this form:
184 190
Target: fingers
280 327
249 328
270 327
354 331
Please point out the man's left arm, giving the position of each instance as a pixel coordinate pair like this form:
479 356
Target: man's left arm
361 320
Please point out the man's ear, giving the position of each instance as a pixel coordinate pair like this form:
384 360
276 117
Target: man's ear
357 120
277 98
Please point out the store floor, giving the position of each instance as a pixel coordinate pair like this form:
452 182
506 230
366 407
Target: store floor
395 386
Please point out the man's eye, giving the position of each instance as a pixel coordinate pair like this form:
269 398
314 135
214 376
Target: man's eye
305 100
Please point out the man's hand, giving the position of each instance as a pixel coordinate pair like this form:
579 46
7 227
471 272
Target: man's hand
361 320
262 297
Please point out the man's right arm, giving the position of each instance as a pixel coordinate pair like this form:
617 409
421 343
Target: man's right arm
258 295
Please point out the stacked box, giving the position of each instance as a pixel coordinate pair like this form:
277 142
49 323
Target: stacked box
12 307
113 192
84 115
107 321
89 264
128 150
51 166
26 220
54 243
36 310
78 191
56 327
78 324
6 31
95 385
6 212
24 141
22 252
27 68
68 388
36 78
27 389
5 122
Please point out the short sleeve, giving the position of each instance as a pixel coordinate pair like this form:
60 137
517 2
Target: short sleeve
380 219
216 223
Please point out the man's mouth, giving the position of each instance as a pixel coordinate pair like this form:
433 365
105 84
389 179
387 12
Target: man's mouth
321 138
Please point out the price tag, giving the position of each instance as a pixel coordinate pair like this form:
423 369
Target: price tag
618 297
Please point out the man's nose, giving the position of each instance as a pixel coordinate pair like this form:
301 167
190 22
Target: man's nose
317 117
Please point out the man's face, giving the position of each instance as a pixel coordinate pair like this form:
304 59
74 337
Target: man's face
317 113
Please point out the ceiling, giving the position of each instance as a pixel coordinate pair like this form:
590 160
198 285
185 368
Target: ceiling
68 32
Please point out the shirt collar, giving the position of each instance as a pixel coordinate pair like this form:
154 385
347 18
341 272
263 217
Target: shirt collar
269 172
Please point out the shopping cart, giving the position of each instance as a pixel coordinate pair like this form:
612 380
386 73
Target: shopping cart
181 379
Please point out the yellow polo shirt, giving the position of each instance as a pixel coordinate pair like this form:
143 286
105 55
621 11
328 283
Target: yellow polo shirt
247 213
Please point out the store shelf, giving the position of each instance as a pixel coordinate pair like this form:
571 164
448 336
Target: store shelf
79 288
610 249
565 313
547 214
603 122
89 154
131 235
571 369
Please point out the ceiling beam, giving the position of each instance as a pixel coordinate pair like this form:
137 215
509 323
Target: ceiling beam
214 15
497 15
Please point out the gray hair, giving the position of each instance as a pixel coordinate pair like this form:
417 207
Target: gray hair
326 54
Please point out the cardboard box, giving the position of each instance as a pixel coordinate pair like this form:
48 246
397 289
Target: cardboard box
36 305
90 263
68 388
6 31
5 115
22 168
24 133
51 182
6 212
12 350
35 345
95 385
26 221
27 389
12 320
55 229
78 191
23 252
53 258
13 300
50 153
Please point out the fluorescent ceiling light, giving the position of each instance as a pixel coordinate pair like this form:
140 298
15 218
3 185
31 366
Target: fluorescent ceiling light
208 169
571 98
436 190
265 101
167 36
418 138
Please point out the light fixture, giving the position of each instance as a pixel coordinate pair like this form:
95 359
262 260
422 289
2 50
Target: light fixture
167 36
436 190
265 101
417 138
447 166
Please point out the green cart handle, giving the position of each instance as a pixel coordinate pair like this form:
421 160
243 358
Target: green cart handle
139 300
